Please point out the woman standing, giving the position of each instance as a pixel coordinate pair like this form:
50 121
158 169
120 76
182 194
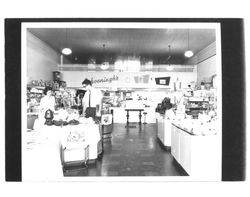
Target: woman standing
47 102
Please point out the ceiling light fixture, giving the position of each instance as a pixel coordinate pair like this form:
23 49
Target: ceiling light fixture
188 53
66 50
105 63
169 67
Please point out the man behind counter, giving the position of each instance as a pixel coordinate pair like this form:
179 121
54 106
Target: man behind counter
92 98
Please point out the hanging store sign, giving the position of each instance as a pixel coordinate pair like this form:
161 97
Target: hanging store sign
162 80
104 79
128 79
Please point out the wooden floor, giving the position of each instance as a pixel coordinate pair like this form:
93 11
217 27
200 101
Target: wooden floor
132 151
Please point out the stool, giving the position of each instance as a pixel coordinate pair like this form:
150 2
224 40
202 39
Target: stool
145 114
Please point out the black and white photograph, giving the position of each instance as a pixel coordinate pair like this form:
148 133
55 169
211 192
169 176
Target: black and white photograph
133 103
122 101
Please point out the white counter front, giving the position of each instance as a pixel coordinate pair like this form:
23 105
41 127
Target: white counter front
41 159
197 154
164 126
120 115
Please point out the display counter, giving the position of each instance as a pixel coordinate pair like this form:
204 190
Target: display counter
164 125
41 158
199 155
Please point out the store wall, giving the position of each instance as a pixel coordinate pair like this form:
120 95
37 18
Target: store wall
206 65
42 60
206 69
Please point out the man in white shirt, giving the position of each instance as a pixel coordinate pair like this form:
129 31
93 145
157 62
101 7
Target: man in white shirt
92 97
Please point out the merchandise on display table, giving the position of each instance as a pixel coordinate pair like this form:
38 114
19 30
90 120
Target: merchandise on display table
204 124
164 105
197 114
86 126
195 106
44 143
197 126
63 117
203 101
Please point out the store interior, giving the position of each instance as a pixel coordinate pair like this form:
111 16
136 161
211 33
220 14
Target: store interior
160 110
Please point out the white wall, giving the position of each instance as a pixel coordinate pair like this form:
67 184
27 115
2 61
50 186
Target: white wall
42 60
207 65
206 69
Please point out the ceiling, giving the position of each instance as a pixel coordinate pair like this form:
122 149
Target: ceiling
147 44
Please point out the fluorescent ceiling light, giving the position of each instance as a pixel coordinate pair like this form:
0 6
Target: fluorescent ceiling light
188 53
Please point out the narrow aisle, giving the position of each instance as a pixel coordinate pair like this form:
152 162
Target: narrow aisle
132 152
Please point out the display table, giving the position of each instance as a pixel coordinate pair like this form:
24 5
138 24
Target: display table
138 110
41 155
120 115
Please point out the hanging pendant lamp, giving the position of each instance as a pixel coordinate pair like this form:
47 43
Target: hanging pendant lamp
188 53
169 67
105 63
66 50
